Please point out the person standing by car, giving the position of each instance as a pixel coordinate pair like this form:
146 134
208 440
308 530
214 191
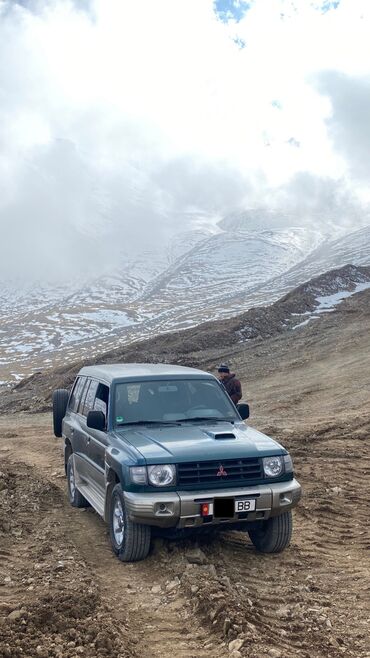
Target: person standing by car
232 385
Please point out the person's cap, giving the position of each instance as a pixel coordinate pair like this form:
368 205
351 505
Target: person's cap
223 368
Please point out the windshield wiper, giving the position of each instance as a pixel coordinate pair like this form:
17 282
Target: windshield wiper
148 422
203 418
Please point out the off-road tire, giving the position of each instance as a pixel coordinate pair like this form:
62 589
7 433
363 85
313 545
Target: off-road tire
75 496
60 401
135 543
274 534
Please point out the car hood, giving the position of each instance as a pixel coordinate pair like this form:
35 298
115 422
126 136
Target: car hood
185 443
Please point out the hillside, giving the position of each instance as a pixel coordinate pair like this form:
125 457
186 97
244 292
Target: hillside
210 342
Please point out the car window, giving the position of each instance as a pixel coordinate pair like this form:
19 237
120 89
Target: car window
88 403
76 393
83 395
168 400
101 399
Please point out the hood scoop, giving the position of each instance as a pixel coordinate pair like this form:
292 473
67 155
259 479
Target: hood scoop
221 436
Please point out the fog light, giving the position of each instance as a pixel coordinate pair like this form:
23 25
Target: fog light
164 509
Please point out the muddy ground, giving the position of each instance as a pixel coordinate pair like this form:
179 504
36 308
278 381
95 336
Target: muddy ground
64 594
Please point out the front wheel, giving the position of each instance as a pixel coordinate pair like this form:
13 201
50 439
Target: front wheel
130 541
273 535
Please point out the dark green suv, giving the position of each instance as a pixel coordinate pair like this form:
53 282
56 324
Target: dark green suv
164 447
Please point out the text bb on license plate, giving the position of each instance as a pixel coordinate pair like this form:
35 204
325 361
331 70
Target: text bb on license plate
245 505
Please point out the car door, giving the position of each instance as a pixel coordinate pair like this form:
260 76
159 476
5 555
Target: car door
99 441
81 437
71 423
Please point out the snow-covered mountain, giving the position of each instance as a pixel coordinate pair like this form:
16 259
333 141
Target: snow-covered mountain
200 276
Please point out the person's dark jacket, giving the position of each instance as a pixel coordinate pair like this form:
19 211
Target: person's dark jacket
233 387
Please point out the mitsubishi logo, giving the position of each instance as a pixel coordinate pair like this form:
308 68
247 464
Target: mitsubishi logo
221 472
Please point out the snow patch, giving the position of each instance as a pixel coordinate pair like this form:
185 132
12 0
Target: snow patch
328 303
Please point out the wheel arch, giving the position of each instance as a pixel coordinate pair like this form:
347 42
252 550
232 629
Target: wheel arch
112 477
68 450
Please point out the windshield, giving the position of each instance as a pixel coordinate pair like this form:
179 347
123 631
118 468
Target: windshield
172 400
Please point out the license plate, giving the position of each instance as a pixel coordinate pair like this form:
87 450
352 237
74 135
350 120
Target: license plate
245 505
226 507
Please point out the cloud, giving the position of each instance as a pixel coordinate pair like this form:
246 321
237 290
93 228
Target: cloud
123 122
348 124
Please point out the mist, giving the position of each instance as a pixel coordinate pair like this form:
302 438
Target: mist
122 126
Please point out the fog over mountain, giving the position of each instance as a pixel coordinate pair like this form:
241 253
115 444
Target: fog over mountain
125 124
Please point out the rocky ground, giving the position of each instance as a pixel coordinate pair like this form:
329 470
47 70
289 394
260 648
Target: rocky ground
64 594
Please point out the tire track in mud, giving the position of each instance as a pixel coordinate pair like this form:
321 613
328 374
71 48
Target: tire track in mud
158 622
49 606
312 601
148 595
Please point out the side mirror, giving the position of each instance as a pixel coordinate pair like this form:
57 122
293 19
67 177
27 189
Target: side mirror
243 409
96 420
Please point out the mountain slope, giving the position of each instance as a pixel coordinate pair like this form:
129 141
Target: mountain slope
207 343
199 277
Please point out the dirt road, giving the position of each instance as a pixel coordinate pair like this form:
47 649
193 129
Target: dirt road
63 594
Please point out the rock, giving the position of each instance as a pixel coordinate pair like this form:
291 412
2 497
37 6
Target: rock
235 645
226 582
283 611
227 626
211 569
235 654
275 653
172 584
196 556
156 589
15 615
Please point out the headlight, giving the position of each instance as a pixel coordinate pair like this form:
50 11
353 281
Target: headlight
162 475
273 466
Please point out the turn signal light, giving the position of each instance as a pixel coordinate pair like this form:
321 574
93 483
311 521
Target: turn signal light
204 509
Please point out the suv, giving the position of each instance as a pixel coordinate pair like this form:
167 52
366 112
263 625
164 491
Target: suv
163 447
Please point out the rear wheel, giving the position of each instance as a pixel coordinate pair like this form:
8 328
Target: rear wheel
130 541
75 496
273 535
60 400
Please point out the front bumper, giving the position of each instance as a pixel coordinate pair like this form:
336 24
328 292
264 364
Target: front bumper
181 509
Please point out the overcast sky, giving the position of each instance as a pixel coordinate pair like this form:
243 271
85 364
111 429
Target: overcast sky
124 122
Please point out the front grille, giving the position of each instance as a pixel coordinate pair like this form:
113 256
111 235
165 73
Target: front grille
236 470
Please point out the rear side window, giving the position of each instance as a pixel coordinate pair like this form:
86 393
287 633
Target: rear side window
88 403
76 393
